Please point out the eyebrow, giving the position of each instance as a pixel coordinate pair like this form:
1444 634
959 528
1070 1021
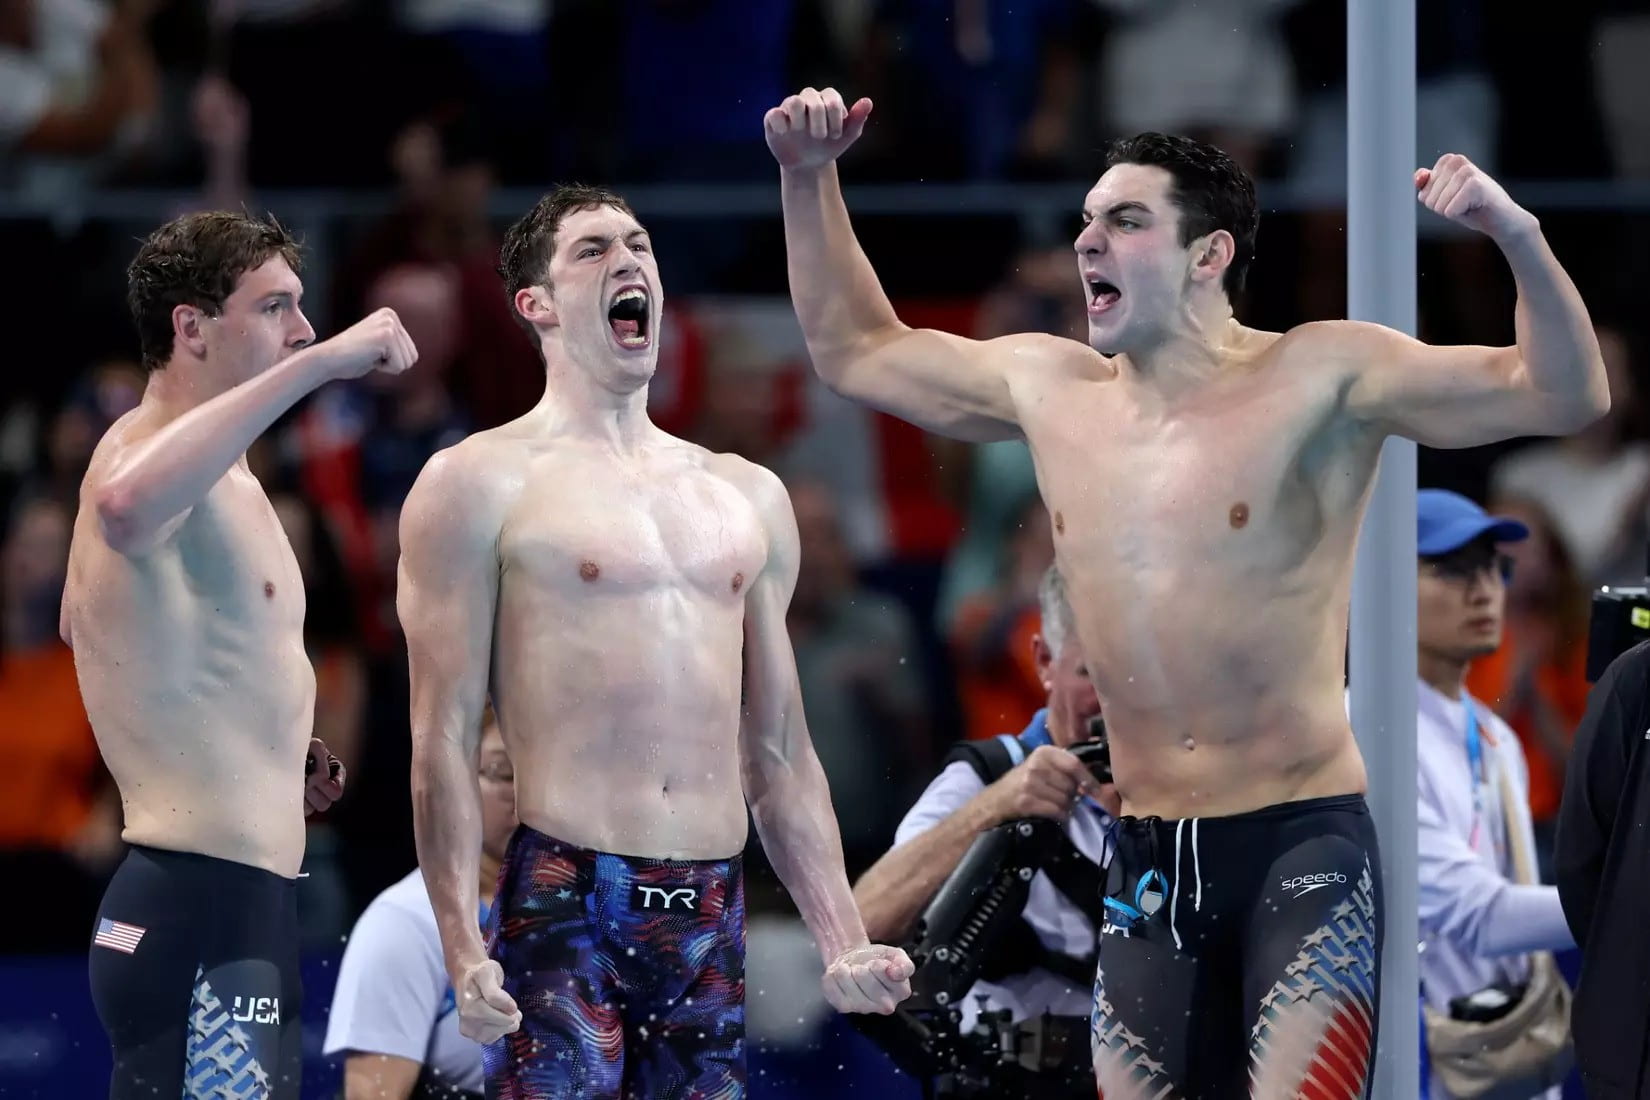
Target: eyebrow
1127 206
608 238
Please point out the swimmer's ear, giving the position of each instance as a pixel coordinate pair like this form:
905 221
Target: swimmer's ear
1212 255
189 330
536 306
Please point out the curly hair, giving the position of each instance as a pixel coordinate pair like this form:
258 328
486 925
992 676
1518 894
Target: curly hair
196 260
1210 189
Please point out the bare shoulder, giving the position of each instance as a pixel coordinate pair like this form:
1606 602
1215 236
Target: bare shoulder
469 484
1049 354
758 484
130 429
1345 342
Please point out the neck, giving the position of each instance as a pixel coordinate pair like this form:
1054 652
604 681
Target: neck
1442 673
488 884
180 386
575 404
1187 355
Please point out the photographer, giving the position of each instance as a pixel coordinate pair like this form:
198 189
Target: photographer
1602 860
1048 967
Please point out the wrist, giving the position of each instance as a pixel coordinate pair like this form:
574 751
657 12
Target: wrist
1523 230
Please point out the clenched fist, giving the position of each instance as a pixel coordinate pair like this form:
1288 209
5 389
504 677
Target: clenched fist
1459 190
486 1013
813 128
1047 783
376 342
871 978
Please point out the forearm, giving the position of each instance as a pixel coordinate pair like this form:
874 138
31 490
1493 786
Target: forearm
447 832
892 894
791 805
1556 342
173 469
838 299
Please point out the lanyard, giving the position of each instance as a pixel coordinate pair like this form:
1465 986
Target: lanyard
1475 764
1480 776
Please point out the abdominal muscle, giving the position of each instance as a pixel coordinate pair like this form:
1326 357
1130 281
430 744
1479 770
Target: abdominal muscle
624 731
1233 708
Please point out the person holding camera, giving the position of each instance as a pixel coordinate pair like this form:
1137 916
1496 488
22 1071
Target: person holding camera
1600 861
1042 971
1495 1008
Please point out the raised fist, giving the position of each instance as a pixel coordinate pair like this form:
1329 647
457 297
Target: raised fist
376 342
813 128
1459 190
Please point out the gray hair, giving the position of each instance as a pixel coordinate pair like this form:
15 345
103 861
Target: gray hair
1059 621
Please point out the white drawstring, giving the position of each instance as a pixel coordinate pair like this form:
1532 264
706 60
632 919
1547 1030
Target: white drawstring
1174 898
1197 869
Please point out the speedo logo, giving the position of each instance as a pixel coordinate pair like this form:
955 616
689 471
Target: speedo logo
1301 885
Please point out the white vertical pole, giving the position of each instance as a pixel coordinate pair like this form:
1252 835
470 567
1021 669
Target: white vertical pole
1380 61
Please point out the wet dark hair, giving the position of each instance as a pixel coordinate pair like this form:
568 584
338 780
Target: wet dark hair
1210 190
196 260
524 259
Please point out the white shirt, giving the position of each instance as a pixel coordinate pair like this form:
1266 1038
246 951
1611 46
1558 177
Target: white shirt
1058 923
1476 922
393 996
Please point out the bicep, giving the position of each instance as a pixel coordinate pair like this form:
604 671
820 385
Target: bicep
1448 397
379 1077
939 381
773 731
446 595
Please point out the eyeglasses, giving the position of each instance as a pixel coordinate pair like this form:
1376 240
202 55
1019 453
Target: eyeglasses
1465 566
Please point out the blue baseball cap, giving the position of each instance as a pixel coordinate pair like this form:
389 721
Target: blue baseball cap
1448 521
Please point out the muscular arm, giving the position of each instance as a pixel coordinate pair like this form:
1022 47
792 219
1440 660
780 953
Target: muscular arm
1551 382
784 783
446 595
892 894
938 381
144 490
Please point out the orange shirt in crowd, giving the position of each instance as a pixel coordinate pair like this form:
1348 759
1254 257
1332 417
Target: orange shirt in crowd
50 769
1563 683
999 689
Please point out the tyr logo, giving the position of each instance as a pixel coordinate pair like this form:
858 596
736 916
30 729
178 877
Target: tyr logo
657 897
258 1010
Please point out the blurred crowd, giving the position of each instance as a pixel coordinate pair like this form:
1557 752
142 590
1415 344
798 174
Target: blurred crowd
916 604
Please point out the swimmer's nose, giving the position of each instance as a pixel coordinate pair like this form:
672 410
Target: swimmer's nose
305 335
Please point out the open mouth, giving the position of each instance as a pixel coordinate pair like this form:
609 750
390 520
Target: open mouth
629 317
1102 295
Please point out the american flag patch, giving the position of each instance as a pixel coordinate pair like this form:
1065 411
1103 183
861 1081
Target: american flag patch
120 937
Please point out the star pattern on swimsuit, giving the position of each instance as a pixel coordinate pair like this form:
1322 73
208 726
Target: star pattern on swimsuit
564 893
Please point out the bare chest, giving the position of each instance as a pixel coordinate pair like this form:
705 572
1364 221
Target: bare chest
1252 480
589 528
237 559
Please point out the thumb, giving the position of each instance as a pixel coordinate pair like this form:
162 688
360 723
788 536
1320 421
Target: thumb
1422 175
775 120
854 124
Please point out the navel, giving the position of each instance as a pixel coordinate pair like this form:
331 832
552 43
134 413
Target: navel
1238 516
269 590
589 570
1059 523
738 581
